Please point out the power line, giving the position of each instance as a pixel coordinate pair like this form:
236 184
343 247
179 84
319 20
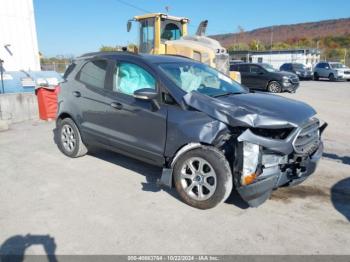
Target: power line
133 6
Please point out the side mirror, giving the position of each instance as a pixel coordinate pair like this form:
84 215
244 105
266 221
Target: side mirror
128 26
148 94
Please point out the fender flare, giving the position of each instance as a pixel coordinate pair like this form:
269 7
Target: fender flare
167 173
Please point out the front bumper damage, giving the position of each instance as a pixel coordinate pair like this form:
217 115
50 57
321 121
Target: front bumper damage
279 166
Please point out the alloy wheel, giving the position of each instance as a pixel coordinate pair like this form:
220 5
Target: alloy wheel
198 178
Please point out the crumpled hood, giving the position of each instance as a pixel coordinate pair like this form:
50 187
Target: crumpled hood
252 109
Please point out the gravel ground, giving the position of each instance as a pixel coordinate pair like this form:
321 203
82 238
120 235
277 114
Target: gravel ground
105 203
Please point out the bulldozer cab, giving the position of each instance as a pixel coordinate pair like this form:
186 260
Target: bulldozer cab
156 29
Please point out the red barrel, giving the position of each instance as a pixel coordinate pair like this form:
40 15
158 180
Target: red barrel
47 102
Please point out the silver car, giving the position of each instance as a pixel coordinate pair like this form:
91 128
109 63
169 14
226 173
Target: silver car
332 70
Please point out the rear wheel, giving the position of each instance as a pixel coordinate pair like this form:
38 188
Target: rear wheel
331 77
69 139
274 87
316 76
203 177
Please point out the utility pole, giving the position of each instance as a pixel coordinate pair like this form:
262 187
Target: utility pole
271 43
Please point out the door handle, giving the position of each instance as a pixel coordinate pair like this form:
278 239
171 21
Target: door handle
117 105
76 94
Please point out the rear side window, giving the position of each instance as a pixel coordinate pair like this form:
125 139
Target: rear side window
244 68
321 65
69 70
287 67
233 67
94 73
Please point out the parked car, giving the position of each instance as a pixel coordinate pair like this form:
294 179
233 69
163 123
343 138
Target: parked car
264 77
233 62
331 70
206 131
299 69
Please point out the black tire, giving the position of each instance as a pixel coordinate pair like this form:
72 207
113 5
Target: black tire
348 80
316 77
78 148
221 185
331 77
274 87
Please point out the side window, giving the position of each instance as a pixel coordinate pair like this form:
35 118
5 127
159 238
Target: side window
147 35
321 65
284 67
171 32
94 73
233 68
130 77
244 68
255 69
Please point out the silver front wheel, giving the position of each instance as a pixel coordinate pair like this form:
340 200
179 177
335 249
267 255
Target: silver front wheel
274 87
198 178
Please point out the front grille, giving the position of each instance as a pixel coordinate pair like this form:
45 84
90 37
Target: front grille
308 138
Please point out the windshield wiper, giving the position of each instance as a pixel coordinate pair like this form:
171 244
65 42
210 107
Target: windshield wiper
228 94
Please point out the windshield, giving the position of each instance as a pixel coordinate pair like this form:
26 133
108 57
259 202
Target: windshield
338 65
201 78
268 68
299 66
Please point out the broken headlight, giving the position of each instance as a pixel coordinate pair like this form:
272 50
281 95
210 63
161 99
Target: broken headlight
251 158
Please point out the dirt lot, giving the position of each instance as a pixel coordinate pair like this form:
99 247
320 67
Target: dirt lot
105 203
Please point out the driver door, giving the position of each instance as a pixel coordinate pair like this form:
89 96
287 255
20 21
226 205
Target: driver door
257 77
134 126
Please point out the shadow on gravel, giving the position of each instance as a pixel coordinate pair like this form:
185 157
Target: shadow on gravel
13 249
340 196
151 174
343 159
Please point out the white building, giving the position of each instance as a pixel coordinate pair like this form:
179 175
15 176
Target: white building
308 57
18 38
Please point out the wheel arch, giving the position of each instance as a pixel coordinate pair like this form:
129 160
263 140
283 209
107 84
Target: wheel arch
167 178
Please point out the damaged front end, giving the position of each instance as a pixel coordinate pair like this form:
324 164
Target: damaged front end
264 162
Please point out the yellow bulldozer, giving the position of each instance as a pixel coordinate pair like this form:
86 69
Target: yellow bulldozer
164 34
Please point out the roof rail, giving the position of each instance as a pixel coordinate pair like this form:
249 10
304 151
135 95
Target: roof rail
103 53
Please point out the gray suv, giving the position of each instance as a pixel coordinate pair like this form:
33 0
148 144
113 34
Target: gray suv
208 133
331 70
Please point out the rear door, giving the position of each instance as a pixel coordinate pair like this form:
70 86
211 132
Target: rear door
133 126
89 92
245 74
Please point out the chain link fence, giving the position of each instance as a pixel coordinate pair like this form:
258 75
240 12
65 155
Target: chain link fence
58 67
